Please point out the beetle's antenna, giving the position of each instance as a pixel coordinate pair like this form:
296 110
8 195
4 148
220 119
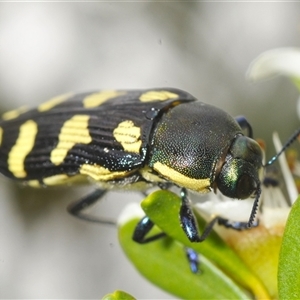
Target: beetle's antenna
255 206
285 146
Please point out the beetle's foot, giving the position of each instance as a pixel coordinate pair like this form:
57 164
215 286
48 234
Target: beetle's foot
193 259
142 229
236 225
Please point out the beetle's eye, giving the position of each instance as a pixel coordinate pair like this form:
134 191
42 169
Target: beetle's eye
245 187
238 179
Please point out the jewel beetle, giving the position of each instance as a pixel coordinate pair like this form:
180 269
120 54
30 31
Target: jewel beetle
134 139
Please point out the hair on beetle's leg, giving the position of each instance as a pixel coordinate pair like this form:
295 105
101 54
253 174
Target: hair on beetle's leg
76 208
143 227
244 124
255 207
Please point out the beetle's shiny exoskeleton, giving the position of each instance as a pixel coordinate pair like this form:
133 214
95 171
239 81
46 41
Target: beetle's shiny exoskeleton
133 139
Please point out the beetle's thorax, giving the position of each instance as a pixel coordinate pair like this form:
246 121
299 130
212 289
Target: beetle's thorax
188 142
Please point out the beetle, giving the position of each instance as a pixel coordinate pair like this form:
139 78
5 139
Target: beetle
134 139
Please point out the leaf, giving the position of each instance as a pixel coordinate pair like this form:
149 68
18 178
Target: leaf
164 263
289 262
163 209
118 295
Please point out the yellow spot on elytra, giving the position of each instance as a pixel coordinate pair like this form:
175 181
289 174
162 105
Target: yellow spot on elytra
199 185
97 99
12 114
128 136
157 95
33 183
56 179
64 179
1 135
53 102
99 173
22 148
74 131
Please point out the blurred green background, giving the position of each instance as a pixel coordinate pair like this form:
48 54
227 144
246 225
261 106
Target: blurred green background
48 49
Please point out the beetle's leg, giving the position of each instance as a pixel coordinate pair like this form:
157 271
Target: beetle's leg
76 208
244 124
189 223
193 259
187 218
145 225
236 225
142 228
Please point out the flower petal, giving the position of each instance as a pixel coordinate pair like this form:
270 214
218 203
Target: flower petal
281 61
287 175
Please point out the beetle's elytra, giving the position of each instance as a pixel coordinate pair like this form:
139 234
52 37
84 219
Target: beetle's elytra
134 138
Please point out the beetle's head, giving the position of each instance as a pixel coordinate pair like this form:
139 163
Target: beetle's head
238 176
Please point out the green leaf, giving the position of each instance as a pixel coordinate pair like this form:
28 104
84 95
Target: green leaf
118 295
289 262
296 81
163 207
164 263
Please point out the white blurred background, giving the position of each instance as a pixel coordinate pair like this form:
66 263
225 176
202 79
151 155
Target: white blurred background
51 48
